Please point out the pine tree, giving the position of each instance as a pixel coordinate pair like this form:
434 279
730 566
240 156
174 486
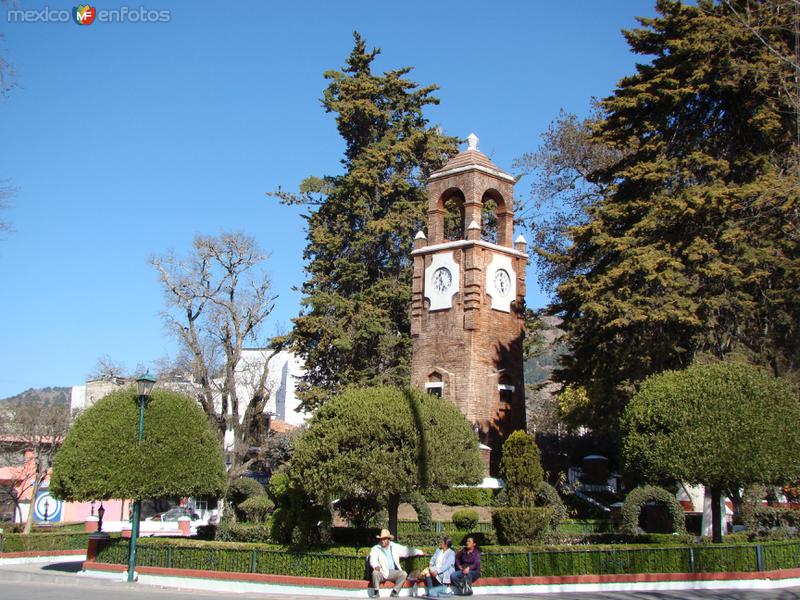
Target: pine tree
693 248
354 325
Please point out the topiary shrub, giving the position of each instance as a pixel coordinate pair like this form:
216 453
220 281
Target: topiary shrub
278 487
420 504
242 489
640 496
522 525
546 495
101 457
297 520
521 467
768 517
256 509
461 496
465 519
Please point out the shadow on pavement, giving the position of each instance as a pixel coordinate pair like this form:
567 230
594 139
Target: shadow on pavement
64 567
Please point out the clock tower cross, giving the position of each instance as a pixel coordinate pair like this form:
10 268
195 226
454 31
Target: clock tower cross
468 297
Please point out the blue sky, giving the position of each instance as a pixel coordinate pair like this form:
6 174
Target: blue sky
126 140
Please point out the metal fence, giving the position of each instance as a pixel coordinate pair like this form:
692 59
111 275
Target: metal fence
545 562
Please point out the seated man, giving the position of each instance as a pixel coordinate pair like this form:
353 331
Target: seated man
384 558
468 565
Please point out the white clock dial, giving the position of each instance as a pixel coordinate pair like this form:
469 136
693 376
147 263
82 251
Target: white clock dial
442 279
502 282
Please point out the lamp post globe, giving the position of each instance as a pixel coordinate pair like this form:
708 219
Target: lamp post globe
145 384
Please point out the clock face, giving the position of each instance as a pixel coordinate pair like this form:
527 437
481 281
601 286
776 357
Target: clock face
502 282
442 279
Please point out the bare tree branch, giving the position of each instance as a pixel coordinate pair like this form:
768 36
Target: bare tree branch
219 300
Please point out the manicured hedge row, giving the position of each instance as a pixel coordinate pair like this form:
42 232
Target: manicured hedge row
350 563
17 542
459 496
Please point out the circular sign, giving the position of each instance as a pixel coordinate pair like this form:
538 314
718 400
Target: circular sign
47 508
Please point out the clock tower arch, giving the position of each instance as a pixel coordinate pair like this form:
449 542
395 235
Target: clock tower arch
468 297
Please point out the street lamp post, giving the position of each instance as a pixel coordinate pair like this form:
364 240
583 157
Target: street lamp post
144 384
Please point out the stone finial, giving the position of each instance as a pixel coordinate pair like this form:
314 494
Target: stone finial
473 230
520 239
472 140
421 236
521 244
420 240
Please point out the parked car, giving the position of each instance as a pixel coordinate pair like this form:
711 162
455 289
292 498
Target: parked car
173 514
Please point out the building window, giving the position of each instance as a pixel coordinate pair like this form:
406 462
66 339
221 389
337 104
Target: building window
434 388
506 392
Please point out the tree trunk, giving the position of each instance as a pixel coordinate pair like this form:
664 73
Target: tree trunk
392 504
29 520
716 514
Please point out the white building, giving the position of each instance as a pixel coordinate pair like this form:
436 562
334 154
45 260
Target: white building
285 370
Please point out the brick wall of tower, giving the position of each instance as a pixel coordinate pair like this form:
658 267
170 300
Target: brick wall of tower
471 346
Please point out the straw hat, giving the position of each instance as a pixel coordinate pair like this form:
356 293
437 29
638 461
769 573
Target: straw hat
385 534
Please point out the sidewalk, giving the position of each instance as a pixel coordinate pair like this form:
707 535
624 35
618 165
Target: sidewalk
62 571
68 572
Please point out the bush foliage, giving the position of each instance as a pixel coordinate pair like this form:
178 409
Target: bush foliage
100 458
465 519
522 525
521 467
640 496
384 441
461 496
257 509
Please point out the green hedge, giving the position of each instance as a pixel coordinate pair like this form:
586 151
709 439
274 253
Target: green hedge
585 526
440 527
518 525
465 518
461 496
350 563
17 542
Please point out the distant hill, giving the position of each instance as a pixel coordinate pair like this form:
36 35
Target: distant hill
539 368
48 395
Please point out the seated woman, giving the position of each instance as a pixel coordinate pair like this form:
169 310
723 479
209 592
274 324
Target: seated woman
441 565
468 565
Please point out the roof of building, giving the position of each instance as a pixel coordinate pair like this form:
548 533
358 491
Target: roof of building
280 426
471 158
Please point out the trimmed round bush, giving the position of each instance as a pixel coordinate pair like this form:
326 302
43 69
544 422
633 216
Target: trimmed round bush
256 509
180 454
465 519
522 525
640 496
546 495
242 489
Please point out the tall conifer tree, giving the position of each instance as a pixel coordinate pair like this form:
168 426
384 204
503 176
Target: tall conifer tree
354 325
693 249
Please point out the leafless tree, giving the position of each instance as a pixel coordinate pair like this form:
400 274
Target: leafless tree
563 184
107 368
5 194
219 299
7 73
30 435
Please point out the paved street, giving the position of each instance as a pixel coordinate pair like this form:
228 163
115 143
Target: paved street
61 582
15 590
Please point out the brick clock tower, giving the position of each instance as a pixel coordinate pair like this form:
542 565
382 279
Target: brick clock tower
468 297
